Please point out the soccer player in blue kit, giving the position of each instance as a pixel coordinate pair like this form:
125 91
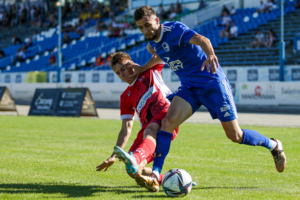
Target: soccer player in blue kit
192 58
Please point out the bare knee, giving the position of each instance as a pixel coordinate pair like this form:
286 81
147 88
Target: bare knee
168 124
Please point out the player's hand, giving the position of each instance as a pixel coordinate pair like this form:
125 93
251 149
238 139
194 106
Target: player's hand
211 61
106 164
151 50
137 69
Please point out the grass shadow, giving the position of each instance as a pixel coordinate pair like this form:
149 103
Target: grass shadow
231 188
71 190
194 188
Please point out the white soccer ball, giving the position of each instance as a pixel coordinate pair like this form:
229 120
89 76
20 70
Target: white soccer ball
177 182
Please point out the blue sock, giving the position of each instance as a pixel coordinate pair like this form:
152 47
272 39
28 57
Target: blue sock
254 138
163 143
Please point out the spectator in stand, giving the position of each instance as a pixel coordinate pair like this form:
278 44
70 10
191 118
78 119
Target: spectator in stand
225 31
66 38
230 32
32 13
171 9
66 10
20 56
114 32
34 36
259 39
28 44
126 25
232 11
84 15
269 6
270 39
224 11
172 12
160 8
52 19
38 21
111 14
96 13
261 7
2 53
202 4
162 13
22 15
15 40
88 14
12 14
80 28
52 60
39 10
178 8
106 12
297 4
114 23
99 60
226 19
101 26
172 15
234 31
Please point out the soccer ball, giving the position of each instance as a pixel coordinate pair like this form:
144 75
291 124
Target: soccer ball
177 182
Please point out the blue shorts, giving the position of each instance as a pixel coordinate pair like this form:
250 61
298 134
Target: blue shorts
216 97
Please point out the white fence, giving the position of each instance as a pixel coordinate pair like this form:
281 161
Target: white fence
234 74
245 93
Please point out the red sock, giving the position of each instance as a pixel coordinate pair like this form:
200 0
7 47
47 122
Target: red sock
161 176
145 149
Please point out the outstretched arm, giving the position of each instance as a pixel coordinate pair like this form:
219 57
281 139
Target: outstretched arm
206 46
121 142
154 60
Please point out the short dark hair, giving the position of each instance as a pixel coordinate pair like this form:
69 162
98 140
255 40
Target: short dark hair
118 57
143 11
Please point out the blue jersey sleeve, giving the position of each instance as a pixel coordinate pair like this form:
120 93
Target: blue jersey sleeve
182 33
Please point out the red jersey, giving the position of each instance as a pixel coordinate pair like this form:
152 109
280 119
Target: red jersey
146 95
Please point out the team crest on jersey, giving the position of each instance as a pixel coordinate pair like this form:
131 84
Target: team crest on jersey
128 94
165 46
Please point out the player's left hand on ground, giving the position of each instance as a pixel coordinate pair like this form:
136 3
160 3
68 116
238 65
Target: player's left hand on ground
211 61
106 164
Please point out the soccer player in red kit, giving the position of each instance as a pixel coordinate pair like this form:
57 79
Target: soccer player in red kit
145 95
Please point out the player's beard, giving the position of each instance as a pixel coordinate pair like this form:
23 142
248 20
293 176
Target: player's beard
153 37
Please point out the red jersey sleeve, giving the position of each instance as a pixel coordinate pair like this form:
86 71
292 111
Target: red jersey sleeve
159 66
127 112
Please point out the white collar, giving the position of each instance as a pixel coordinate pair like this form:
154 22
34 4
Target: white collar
161 33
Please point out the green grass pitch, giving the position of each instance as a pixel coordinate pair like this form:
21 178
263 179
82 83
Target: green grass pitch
56 158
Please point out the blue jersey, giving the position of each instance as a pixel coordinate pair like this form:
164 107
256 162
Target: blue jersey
183 58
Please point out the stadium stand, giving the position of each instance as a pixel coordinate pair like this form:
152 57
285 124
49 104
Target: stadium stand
81 53
39 19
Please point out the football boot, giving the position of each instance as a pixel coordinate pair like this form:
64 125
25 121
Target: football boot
128 159
279 156
149 182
